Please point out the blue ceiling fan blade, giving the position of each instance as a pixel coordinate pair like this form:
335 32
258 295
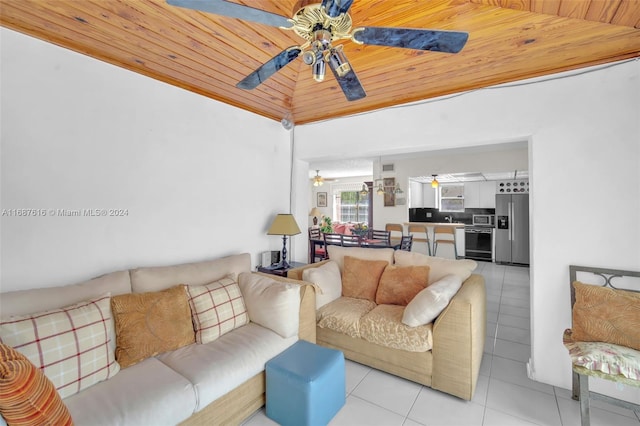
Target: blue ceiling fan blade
335 8
345 75
269 68
233 10
410 38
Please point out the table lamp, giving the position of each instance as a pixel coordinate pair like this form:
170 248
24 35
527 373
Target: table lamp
285 225
315 212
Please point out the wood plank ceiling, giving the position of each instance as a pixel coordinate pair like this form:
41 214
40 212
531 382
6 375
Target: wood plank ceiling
509 40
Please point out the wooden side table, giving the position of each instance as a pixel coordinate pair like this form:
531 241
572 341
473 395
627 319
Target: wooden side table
282 272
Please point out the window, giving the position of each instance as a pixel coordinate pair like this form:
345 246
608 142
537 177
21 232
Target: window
350 206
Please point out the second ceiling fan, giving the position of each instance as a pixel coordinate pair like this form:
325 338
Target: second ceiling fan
321 25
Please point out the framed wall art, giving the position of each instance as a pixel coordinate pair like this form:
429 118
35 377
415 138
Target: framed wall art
389 196
322 199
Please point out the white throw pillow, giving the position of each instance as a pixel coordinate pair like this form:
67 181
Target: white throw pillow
272 304
72 346
439 267
327 278
430 302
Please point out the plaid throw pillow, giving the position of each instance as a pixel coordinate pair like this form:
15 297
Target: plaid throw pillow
73 346
216 309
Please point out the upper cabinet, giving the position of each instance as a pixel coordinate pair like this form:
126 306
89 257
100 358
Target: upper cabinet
480 194
452 198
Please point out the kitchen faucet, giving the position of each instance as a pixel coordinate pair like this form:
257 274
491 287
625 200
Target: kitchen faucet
448 219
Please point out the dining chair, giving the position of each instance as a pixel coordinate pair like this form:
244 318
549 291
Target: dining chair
383 236
332 239
406 242
421 229
319 251
351 240
444 235
394 227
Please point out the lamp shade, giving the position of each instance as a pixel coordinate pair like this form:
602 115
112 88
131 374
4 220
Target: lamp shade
284 224
315 212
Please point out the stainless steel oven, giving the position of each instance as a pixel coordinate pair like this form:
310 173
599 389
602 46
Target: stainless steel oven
478 242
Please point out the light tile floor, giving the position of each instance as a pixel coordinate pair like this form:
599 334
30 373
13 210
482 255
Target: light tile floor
504 394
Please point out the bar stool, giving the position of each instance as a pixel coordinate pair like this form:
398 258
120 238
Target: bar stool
394 227
420 229
444 231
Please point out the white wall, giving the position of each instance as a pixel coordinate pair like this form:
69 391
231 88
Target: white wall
78 134
584 163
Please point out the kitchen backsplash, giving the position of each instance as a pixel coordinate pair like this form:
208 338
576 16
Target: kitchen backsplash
425 214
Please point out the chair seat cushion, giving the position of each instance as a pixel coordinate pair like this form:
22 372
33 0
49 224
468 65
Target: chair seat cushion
607 358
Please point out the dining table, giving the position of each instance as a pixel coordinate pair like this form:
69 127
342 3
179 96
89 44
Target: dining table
364 242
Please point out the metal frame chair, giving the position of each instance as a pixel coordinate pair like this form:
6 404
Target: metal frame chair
580 382
444 230
394 227
420 229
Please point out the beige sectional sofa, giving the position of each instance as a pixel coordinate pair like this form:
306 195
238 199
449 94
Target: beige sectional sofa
374 334
221 382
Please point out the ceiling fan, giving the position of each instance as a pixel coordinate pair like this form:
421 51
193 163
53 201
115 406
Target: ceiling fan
319 180
321 25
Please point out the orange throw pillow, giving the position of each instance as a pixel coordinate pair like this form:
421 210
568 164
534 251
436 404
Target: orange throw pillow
27 396
148 324
360 277
399 284
605 315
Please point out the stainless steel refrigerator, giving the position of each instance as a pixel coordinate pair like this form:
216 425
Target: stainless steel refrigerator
512 228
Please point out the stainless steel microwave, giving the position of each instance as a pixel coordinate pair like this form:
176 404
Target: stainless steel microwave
483 220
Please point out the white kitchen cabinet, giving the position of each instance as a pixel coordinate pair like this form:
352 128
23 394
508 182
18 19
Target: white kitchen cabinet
472 195
487 195
428 196
460 244
480 195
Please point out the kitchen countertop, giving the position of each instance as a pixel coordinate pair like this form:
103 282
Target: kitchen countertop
432 224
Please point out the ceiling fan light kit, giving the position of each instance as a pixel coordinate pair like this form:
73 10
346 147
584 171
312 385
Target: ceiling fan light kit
320 25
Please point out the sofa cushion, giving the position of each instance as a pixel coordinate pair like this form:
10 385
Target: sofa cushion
216 309
327 278
198 273
337 254
427 305
606 315
383 326
272 304
438 266
360 277
23 302
147 393
343 315
27 396
70 345
399 284
220 366
151 323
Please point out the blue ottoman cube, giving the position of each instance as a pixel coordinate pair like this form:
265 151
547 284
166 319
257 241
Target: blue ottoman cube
305 385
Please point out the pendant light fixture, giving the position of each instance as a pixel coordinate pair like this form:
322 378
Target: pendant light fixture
318 180
365 190
434 182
